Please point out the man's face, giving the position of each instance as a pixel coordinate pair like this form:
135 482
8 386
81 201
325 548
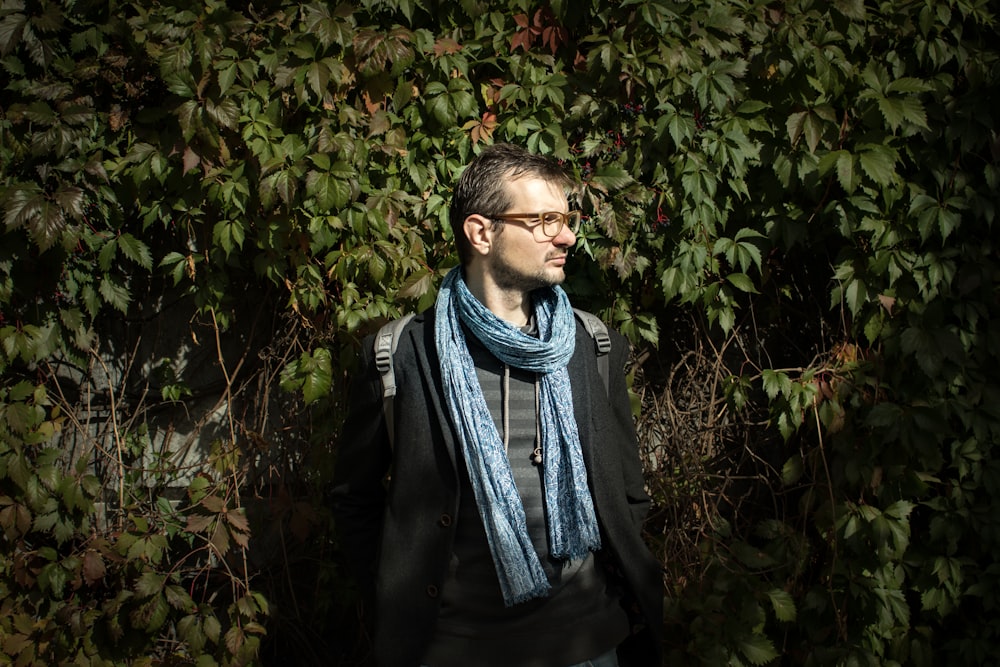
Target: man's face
522 257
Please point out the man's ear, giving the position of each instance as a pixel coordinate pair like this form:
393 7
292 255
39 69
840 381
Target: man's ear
479 231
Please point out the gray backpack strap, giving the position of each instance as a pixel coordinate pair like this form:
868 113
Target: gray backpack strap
598 330
386 341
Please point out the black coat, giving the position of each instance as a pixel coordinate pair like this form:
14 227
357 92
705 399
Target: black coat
398 535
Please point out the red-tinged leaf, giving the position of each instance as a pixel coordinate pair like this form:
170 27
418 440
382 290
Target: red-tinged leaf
521 39
235 639
237 519
70 200
521 20
446 46
241 539
214 504
191 159
366 40
220 539
199 523
15 520
554 37
93 567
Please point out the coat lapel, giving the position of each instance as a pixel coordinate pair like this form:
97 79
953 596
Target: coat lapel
429 367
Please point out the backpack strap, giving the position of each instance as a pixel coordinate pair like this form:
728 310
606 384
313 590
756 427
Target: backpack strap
598 330
386 341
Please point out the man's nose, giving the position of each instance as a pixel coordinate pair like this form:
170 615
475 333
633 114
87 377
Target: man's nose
565 238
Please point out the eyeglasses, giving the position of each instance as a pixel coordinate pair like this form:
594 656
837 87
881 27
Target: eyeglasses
550 222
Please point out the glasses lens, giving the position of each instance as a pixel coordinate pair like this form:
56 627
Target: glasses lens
573 220
552 224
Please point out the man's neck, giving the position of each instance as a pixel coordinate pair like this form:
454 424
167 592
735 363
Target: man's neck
511 306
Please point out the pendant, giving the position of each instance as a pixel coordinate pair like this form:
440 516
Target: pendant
536 456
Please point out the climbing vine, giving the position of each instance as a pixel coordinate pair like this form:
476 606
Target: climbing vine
790 206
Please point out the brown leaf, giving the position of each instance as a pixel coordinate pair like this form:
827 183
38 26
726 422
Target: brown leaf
15 520
214 504
237 519
191 159
242 539
446 46
220 539
234 639
521 39
198 523
93 567
15 643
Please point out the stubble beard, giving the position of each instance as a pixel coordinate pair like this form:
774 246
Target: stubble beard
510 279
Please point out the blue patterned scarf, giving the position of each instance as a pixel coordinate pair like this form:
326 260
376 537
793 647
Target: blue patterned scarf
572 524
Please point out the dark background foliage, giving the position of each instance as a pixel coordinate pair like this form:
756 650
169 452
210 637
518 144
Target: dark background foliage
790 208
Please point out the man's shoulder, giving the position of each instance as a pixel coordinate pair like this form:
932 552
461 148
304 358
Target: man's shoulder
393 338
595 328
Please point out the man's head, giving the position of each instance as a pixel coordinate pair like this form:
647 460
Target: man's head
483 187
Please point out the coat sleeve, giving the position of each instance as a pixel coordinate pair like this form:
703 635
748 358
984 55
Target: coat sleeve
363 457
621 407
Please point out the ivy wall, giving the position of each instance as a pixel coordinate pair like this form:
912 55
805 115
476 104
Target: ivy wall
790 207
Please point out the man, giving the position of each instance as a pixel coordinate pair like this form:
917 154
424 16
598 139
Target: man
502 526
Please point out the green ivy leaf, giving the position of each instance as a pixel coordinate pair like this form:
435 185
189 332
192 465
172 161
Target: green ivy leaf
149 584
607 178
317 374
775 383
135 250
782 604
878 162
757 649
213 629
229 234
114 294
792 471
742 282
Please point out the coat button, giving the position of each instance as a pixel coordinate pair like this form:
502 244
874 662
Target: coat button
445 520
432 591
